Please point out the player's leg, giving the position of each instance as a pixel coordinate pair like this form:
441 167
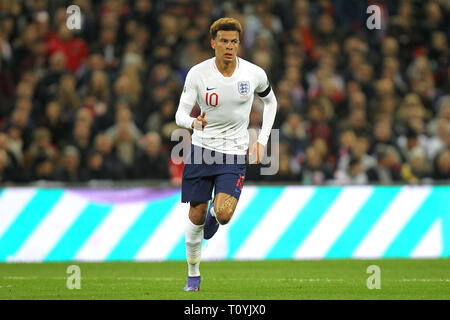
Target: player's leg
228 189
211 223
197 192
194 238
224 207
220 212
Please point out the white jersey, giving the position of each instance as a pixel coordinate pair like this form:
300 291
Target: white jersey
227 102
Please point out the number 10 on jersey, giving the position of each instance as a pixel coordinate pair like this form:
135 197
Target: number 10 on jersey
212 99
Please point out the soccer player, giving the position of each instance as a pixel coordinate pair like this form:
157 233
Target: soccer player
224 88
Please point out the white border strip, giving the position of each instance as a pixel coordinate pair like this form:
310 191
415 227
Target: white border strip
274 223
431 245
166 236
12 203
333 223
391 222
105 237
51 229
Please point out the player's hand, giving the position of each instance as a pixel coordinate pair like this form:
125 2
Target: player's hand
200 122
256 153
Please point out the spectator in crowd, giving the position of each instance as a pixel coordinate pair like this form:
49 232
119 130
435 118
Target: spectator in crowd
57 123
382 134
441 138
69 170
360 149
152 163
285 173
355 173
41 152
442 165
105 146
4 145
163 121
347 139
126 149
98 169
66 95
8 172
293 132
74 49
417 168
144 13
313 170
357 121
327 156
15 143
387 170
42 168
36 61
47 87
317 125
108 47
124 118
99 87
356 148
409 142
81 139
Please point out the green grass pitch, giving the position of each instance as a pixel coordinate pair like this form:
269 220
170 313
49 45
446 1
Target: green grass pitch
230 280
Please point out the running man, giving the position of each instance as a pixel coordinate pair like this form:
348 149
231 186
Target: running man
224 88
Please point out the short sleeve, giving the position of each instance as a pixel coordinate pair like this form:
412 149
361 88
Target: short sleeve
189 93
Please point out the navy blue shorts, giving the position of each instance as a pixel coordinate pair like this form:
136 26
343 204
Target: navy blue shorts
204 172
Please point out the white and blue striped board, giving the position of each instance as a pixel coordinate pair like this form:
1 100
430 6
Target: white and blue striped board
290 222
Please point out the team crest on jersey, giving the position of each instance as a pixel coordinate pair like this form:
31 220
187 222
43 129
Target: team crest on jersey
244 87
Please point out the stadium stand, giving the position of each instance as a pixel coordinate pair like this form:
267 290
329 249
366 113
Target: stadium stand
355 106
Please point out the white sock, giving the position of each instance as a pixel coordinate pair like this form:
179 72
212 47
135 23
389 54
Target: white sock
194 238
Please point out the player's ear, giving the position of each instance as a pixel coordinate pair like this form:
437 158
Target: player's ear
213 44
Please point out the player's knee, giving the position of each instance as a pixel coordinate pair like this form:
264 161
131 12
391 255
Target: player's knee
223 220
197 213
223 216
198 219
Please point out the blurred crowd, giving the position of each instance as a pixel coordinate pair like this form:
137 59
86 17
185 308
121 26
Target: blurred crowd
355 105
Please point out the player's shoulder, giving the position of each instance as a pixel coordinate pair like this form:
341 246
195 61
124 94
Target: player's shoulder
201 67
250 65
252 68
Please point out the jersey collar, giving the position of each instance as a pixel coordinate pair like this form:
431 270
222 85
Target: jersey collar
220 75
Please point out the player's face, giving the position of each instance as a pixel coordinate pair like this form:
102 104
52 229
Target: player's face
226 45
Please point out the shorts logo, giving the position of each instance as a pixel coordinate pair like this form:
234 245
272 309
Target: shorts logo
239 183
244 87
